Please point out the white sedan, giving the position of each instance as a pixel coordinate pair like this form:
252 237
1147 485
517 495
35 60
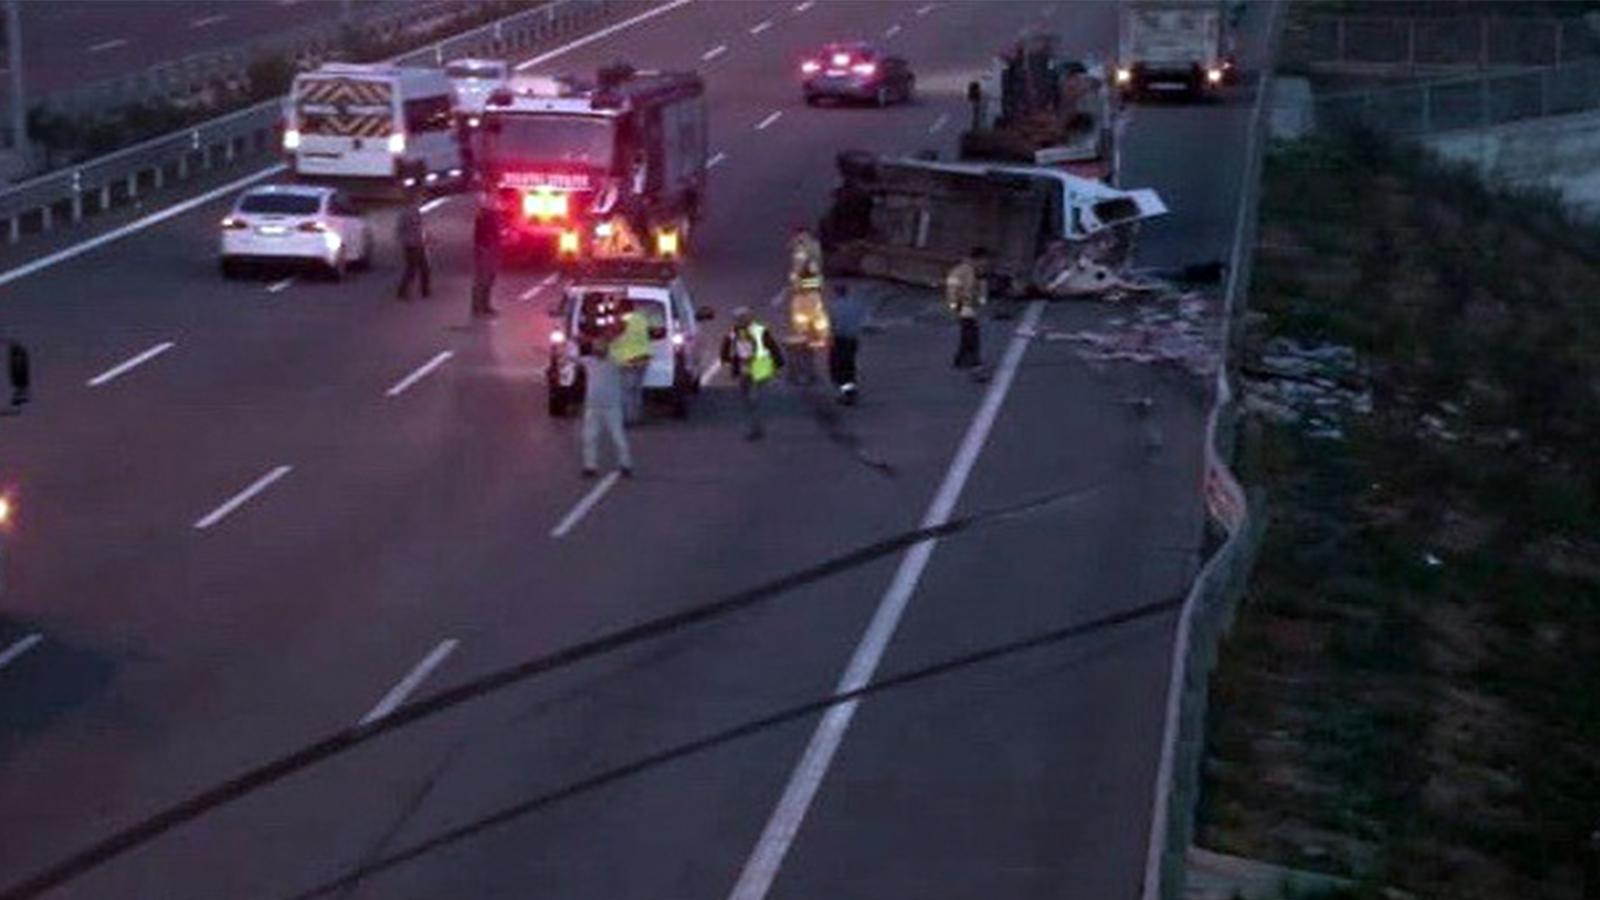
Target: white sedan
292 223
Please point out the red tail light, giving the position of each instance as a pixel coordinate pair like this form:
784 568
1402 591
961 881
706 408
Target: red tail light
811 67
865 68
234 224
313 227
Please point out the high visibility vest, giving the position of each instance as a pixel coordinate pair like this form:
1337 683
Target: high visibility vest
634 341
963 291
761 364
805 263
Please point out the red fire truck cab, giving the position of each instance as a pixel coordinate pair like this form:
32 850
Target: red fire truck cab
572 164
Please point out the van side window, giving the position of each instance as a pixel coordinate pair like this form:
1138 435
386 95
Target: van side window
428 114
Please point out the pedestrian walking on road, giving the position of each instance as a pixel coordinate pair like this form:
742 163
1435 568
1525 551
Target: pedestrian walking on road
486 236
754 358
965 292
631 352
602 410
849 316
413 240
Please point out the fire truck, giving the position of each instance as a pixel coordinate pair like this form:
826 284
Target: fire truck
574 166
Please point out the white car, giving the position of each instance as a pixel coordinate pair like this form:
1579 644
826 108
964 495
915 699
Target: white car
292 223
675 353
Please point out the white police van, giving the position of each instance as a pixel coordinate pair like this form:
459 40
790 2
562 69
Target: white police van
378 123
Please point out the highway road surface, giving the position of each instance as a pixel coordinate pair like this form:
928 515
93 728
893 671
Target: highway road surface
254 513
68 43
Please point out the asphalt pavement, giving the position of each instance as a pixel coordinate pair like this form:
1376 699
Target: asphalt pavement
253 513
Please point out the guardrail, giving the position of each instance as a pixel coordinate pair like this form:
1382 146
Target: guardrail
1208 608
101 184
1373 45
1470 102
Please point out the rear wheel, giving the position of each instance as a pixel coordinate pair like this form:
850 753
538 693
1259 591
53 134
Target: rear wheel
909 92
230 268
881 98
336 270
365 262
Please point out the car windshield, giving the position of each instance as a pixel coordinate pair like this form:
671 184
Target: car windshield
474 70
578 139
281 204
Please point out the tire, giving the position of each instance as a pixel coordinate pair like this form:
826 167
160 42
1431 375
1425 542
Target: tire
811 99
339 269
230 269
909 95
364 264
881 98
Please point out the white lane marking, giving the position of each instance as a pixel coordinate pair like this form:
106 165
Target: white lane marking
605 32
925 9
802 7
710 372
422 372
398 694
112 44
241 498
891 31
532 292
588 502
716 159
123 368
278 286
14 652
714 52
433 204
756 879
760 26
203 21
138 225
939 123
76 250
764 124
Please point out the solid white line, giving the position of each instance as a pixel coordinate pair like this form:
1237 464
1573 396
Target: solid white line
587 503
710 372
123 368
790 813
278 286
760 26
714 52
76 250
112 44
14 652
716 159
398 694
802 7
243 497
433 204
939 123
422 372
891 31
605 32
925 9
203 21
765 123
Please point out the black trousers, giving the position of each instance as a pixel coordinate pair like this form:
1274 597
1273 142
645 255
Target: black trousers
482 285
416 267
967 355
842 360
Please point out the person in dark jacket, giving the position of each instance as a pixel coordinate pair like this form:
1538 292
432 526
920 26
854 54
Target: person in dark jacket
486 235
413 240
753 357
849 316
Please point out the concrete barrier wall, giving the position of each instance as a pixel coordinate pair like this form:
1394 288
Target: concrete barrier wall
1561 153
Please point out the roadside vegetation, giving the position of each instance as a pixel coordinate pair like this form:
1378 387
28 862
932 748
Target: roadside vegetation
1411 694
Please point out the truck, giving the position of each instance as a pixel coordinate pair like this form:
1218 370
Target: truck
1051 111
574 166
1174 48
912 219
372 124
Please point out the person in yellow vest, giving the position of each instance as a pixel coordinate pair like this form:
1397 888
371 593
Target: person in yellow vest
965 293
631 353
753 357
808 316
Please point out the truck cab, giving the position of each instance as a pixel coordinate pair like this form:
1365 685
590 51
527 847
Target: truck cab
1178 48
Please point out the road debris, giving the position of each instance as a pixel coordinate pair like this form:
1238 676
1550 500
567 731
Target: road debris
1316 386
1161 326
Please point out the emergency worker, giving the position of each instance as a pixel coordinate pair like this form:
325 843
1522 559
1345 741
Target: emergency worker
808 316
602 410
486 237
965 293
754 358
630 351
413 240
849 316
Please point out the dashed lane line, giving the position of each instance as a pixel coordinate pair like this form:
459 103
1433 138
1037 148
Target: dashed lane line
123 368
433 204
280 286
241 498
589 501
716 159
760 26
14 652
420 373
939 123
891 31
766 123
714 52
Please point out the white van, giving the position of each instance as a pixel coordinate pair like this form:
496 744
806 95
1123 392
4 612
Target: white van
375 122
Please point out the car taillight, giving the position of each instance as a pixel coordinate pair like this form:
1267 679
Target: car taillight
811 67
1214 75
291 139
7 510
558 337
841 60
544 205
397 143
313 227
233 224
865 68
